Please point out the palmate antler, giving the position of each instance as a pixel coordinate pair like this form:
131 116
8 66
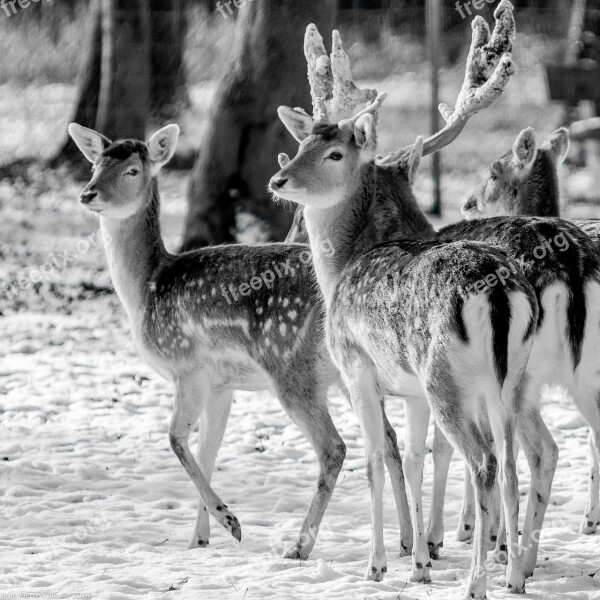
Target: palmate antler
332 89
489 69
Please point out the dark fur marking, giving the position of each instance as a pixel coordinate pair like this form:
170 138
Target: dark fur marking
500 314
123 149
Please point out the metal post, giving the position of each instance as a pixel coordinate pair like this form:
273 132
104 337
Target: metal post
434 35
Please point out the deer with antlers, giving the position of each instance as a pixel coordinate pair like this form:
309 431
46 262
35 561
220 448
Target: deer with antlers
402 314
524 181
359 200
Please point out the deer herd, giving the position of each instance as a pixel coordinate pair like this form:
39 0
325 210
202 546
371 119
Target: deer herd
470 323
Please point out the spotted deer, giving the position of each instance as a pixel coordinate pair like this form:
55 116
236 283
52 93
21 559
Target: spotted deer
525 182
225 318
403 316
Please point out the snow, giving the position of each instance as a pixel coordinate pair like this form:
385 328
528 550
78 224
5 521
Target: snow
94 504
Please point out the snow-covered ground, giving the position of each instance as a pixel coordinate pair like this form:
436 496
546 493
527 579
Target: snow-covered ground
94 504
92 500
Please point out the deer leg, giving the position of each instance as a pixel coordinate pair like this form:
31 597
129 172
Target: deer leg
191 395
466 523
366 402
503 427
591 518
542 456
393 462
465 434
417 421
212 428
495 517
313 419
442 455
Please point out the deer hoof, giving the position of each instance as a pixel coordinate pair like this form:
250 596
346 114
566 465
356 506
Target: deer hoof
297 552
232 525
197 543
434 549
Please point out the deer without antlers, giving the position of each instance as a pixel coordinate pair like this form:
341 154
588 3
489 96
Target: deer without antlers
399 317
524 181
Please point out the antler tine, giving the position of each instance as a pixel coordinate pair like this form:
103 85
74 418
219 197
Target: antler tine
319 66
489 69
372 108
347 97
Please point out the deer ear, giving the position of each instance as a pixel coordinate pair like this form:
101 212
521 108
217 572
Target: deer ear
296 121
283 159
365 132
525 147
414 160
90 142
558 143
161 146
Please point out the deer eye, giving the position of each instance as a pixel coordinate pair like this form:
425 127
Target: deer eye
133 172
336 156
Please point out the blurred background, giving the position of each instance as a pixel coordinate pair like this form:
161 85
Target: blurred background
220 69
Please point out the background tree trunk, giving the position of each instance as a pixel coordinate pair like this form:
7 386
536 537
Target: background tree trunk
150 74
123 100
239 151
168 92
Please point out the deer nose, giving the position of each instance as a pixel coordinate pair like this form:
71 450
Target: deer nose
87 196
278 182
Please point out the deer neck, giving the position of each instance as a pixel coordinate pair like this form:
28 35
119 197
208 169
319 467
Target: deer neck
382 208
540 193
134 250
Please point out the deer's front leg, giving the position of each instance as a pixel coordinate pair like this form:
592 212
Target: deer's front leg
366 402
191 395
213 421
417 421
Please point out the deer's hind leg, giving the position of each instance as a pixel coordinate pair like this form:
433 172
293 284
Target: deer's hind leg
306 404
192 394
541 452
212 423
591 517
463 430
589 405
442 456
503 426
393 462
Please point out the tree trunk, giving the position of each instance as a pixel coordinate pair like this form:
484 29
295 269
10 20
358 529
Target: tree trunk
239 151
168 93
150 73
89 85
123 100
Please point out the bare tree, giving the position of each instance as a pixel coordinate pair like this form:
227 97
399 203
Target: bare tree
239 150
